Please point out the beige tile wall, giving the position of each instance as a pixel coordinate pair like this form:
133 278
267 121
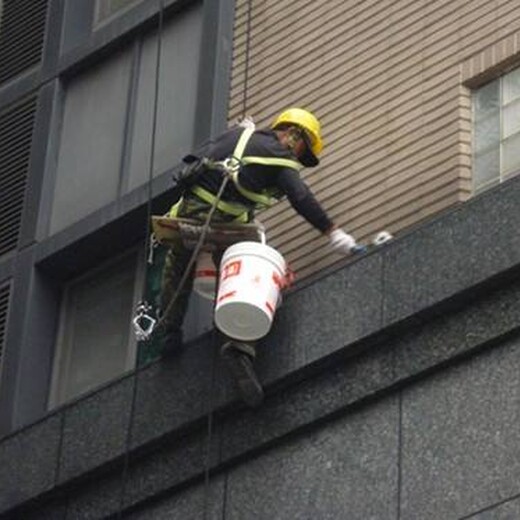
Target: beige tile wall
390 81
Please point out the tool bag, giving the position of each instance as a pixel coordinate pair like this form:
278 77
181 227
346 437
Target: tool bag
188 175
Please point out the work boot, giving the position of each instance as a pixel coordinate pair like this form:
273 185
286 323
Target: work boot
171 344
240 364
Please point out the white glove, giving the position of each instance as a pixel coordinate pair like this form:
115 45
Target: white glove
342 242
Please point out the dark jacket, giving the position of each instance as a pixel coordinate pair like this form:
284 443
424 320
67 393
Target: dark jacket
283 181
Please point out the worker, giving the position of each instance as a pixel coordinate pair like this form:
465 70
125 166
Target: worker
269 170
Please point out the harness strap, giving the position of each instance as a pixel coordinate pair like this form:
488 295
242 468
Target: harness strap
242 142
264 199
272 161
231 208
261 199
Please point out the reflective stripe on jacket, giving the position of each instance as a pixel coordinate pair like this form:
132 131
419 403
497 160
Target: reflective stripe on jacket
263 199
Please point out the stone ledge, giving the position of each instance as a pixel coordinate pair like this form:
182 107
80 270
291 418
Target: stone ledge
343 383
434 295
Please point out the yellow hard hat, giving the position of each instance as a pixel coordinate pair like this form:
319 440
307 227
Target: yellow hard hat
308 121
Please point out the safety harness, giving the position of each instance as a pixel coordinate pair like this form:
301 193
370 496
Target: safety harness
233 164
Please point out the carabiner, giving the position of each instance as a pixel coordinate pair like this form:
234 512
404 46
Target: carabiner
143 323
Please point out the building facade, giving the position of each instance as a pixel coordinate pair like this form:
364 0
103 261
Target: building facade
392 381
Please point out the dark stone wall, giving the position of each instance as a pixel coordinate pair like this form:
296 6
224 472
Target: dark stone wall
392 386
392 381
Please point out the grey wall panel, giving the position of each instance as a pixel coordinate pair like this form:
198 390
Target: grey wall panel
56 511
102 498
182 459
175 392
95 430
13 354
507 511
491 318
78 16
323 318
95 499
89 159
35 174
53 37
340 309
341 385
36 349
191 504
215 69
28 462
347 469
461 437
451 253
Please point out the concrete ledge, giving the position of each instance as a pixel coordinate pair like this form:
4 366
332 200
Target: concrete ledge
28 462
440 293
453 253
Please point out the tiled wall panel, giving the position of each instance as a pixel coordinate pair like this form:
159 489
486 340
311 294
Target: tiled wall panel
388 80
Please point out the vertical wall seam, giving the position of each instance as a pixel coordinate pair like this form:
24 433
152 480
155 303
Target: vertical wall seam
60 449
399 453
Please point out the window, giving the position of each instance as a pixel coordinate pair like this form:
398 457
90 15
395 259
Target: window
106 9
95 340
177 96
106 124
91 144
496 139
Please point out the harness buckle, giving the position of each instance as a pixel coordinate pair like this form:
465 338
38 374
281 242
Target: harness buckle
231 165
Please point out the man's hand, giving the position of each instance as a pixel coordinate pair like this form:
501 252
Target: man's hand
342 242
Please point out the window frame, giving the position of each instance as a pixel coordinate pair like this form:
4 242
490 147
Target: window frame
123 177
98 22
59 366
502 176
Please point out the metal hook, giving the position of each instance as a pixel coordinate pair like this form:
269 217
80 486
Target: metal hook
143 323
154 243
231 165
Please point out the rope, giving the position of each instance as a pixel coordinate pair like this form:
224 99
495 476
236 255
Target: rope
128 441
147 242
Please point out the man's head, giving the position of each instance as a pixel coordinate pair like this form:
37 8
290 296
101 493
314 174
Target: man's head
300 131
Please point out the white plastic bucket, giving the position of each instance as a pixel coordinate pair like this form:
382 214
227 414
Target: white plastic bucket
205 276
251 278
